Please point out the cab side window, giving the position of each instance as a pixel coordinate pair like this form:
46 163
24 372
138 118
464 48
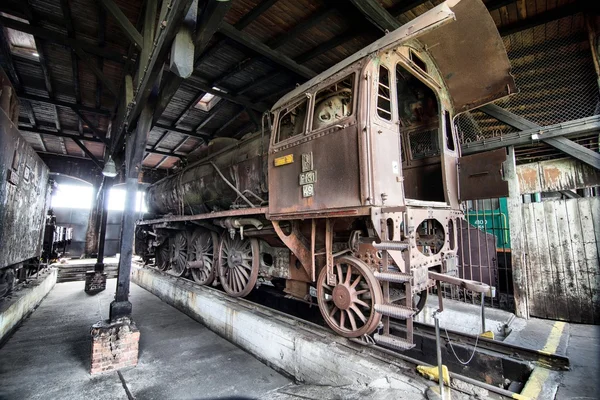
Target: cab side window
334 103
384 102
291 121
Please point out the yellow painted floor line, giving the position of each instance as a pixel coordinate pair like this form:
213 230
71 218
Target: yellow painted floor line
536 380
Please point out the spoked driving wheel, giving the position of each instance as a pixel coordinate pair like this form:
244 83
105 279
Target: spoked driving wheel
238 264
161 256
179 254
203 248
348 307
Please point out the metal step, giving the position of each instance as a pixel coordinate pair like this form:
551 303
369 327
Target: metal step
395 311
394 342
391 276
398 246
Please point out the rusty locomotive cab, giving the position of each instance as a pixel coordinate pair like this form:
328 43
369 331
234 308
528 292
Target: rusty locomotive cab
354 196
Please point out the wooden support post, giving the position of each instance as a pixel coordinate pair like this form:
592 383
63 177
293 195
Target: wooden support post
515 218
136 143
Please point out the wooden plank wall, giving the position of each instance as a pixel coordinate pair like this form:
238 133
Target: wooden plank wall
562 252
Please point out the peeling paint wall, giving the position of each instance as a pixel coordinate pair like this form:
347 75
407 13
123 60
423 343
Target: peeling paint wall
24 192
556 175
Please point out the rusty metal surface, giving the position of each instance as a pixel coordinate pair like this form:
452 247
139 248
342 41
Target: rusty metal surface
199 188
481 176
337 185
24 192
556 175
468 52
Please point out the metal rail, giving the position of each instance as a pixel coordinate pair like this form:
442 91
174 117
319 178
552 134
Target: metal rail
555 362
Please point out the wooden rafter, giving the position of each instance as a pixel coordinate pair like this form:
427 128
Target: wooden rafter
128 29
60 39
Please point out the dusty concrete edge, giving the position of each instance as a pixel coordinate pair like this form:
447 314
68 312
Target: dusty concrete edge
13 316
314 357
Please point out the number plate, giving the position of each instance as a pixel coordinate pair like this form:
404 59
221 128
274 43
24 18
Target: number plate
308 190
308 177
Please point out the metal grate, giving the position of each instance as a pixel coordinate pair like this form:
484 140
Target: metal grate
423 143
484 252
554 72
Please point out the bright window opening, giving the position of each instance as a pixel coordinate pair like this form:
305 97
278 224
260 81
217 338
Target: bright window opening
116 200
21 43
73 196
207 101
82 197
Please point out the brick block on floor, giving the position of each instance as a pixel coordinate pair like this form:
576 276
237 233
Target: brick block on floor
114 345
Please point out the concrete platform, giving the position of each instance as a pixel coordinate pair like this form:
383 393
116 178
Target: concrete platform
48 357
23 300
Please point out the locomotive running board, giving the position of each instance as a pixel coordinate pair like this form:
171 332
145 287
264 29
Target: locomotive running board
218 214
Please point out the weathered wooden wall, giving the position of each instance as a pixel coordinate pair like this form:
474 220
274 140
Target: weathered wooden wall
561 241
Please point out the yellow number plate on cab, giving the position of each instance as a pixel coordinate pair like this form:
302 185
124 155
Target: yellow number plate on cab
279 161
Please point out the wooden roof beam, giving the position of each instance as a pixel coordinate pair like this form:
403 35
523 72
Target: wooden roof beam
376 14
234 98
193 134
542 18
58 134
87 152
277 42
55 37
126 26
261 48
211 114
230 121
64 104
254 13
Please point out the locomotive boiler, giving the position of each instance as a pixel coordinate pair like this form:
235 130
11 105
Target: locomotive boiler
354 194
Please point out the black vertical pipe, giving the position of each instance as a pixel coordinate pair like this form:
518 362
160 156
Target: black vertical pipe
106 185
134 150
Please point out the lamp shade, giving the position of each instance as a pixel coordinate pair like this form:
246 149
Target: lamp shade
110 169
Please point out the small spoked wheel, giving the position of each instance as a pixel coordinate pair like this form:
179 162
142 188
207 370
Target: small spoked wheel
348 307
161 256
238 264
179 254
203 248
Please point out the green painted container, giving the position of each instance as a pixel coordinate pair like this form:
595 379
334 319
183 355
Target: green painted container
494 221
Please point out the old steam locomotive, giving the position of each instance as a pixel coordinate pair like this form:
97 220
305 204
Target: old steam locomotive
354 195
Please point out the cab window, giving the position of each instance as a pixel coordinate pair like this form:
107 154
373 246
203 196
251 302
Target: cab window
334 103
291 121
384 102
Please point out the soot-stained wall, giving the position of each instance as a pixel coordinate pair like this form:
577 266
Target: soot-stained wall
24 192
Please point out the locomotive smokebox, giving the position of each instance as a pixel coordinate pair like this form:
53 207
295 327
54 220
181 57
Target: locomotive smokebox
229 176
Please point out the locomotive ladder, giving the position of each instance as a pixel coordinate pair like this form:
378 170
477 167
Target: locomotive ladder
390 310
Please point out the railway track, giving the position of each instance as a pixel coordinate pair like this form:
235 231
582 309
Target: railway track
496 366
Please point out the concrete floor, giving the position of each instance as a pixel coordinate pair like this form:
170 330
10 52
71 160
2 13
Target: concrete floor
48 356
583 381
